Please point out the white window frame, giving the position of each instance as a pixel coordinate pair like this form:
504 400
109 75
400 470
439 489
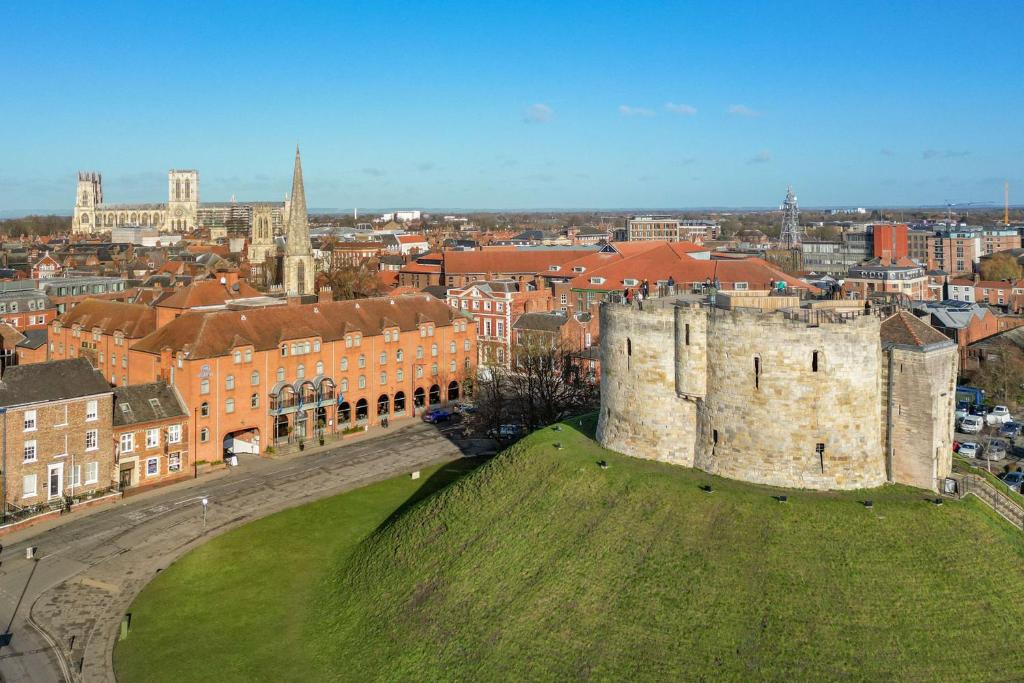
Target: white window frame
30 445
153 438
92 410
25 493
127 442
154 461
174 434
92 472
95 438
30 424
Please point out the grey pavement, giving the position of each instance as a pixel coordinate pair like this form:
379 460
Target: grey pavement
64 608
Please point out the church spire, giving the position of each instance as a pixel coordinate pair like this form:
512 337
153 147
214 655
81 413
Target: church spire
298 220
298 253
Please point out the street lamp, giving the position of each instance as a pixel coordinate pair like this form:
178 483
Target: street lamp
206 504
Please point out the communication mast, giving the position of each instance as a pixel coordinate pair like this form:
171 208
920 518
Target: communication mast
790 237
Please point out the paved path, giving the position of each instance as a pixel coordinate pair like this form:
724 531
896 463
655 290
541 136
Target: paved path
65 608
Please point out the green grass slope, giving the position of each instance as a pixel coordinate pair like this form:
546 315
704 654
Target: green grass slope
542 566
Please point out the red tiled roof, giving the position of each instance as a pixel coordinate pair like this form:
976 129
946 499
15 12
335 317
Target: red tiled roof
209 334
905 328
207 293
134 320
498 261
420 268
411 239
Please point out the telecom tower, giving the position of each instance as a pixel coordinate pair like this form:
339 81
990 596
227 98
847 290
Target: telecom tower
790 236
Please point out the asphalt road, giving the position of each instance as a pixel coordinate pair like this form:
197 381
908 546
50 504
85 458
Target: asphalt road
63 610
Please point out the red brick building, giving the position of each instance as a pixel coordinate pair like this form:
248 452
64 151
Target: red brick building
151 436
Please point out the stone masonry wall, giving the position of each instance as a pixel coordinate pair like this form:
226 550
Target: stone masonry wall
641 415
764 419
923 395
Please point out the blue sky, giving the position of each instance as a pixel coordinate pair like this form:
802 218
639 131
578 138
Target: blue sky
516 105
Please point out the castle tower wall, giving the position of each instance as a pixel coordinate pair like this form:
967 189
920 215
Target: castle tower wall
691 350
923 392
792 404
641 415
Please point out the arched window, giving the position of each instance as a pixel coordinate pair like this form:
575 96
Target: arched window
300 372
237 355
453 391
435 394
362 381
383 404
344 364
451 347
383 357
451 366
362 361
204 409
399 355
418 397
433 350
362 409
344 412
400 402
399 375
204 434
419 352
280 374
419 371
383 378
254 401
254 378
319 367
229 405
229 382
343 385
204 386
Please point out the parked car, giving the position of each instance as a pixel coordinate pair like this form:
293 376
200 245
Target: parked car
971 424
995 450
999 415
962 411
1013 480
980 411
969 449
1011 429
507 431
435 415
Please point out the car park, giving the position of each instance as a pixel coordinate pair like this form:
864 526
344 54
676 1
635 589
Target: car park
1011 429
1013 480
962 411
971 424
999 415
969 449
995 450
435 415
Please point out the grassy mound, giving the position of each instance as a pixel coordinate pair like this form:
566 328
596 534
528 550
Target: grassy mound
541 565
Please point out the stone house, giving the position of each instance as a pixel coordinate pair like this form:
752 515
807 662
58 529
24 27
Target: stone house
57 433
151 435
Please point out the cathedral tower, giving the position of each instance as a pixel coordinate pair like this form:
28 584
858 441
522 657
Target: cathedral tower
90 194
298 254
182 200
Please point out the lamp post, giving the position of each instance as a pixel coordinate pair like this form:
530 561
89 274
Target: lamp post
206 504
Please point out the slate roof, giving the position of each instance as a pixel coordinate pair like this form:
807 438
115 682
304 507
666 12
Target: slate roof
140 397
542 322
53 381
906 329
951 314
34 339
209 334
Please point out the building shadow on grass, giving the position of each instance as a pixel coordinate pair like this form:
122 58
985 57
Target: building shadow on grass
447 474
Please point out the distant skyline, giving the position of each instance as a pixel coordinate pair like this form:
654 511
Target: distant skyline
516 106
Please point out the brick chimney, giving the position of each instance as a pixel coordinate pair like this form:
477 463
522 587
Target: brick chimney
325 295
166 363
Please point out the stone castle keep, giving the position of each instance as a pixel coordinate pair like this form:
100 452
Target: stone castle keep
762 389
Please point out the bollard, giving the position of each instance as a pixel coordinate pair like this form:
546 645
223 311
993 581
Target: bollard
30 553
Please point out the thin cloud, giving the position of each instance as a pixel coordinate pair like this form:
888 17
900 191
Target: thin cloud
627 110
943 154
374 172
538 113
681 109
762 157
425 166
742 110
886 152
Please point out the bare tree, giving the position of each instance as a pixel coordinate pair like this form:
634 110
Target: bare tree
348 281
543 385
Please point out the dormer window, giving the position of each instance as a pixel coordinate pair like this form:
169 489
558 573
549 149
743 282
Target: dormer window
597 280
630 282
555 269
578 269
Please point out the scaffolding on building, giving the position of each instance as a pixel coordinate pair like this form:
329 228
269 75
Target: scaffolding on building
791 235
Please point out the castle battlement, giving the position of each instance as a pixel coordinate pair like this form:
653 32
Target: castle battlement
772 390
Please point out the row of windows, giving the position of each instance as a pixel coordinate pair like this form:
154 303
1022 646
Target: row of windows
499 306
30 449
30 421
152 438
12 307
